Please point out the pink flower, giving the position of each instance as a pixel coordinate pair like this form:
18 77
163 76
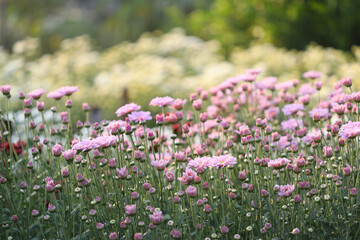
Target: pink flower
271 113
138 236
350 130
286 190
130 209
5 89
224 229
191 191
113 236
36 94
312 75
68 90
162 101
346 81
122 173
57 149
69 155
353 191
188 176
323 112
278 163
291 109
156 217
197 104
160 164
178 104
307 89
55 95
175 233
140 116
223 161
128 108
290 124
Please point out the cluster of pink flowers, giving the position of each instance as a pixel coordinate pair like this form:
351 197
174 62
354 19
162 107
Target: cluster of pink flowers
128 108
99 142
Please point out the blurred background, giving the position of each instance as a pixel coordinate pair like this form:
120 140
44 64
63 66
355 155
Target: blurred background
119 51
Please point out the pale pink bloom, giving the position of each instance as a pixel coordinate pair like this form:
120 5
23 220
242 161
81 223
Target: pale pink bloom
223 161
130 209
162 101
350 130
178 103
267 83
307 89
200 163
122 173
36 94
68 90
140 116
57 149
160 164
188 176
312 75
315 135
285 85
55 95
69 154
128 108
291 109
323 112
156 217
290 124
191 191
286 190
271 113
278 163
5 89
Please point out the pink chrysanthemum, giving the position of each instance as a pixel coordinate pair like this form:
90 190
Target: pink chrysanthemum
160 164
36 94
68 90
162 101
307 89
286 190
140 116
128 108
267 83
291 109
55 95
271 113
278 163
178 103
312 75
291 124
350 130
223 161
323 112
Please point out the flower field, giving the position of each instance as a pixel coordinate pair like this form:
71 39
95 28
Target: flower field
255 158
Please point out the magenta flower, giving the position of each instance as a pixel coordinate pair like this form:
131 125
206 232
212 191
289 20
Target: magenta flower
286 190
68 90
156 217
128 108
162 101
291 109
122 173
36 94
312 75
138 236
350 130
140 116
271 113
175 233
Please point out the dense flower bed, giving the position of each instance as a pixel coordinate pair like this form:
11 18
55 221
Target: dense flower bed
254 159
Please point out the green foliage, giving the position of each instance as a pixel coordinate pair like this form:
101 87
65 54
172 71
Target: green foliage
285 23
